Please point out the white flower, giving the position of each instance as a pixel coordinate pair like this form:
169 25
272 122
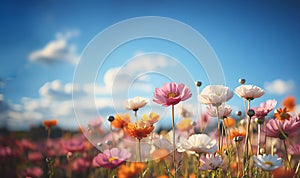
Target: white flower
200 143
267 162
249 92
224 110
210 162
136 103
215 95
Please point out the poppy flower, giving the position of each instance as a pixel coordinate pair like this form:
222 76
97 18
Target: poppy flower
50 123
130 171
215 95
136 103
224 110
171 94
289 102
249 92
142 128
200 143
121 120
229 122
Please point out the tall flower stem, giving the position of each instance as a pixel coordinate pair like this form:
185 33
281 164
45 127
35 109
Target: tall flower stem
258 138
139 156
246 146
286 153
237 158
201 127
174 144
219 130
112 135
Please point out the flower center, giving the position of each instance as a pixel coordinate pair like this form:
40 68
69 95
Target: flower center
112 159
172 95
270 164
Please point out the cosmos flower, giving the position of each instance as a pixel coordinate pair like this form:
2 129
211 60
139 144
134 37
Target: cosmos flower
294 149
282 114
274 127
215 95
112 158
136 103
224 110
171 94
50 123
142 128
249 92
200 143
130 171
264 108
267 162
210 162
121 120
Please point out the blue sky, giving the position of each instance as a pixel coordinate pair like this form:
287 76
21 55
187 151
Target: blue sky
256 40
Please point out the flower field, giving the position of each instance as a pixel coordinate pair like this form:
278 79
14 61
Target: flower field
259 141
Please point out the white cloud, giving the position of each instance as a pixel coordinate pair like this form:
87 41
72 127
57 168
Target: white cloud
55 98
57 50
279 86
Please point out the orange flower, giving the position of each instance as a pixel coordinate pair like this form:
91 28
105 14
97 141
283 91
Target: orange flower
50 123
229 122
121 121
282 114
185 124
133 170
143 127
283 172
289 102
235 133
160 154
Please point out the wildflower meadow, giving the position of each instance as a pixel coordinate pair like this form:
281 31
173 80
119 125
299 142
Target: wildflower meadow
259 141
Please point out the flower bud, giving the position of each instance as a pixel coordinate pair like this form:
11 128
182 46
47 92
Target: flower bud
108 142
242 81
111 118
262 151
251 112
238 139
198 83
239 113
259 120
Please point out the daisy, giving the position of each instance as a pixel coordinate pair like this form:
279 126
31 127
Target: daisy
267 162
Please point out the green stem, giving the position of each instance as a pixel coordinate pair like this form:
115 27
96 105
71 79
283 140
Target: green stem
286 154
174 144
258 139
219 130
246 146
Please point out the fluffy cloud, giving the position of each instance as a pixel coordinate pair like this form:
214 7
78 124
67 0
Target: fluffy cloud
57 50
56 99
279 87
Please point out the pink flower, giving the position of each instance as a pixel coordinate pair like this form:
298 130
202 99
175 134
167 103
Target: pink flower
294 149
33 172
171 94
74 145
80 164
224 110
264 108
112 158
35 156
274 127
